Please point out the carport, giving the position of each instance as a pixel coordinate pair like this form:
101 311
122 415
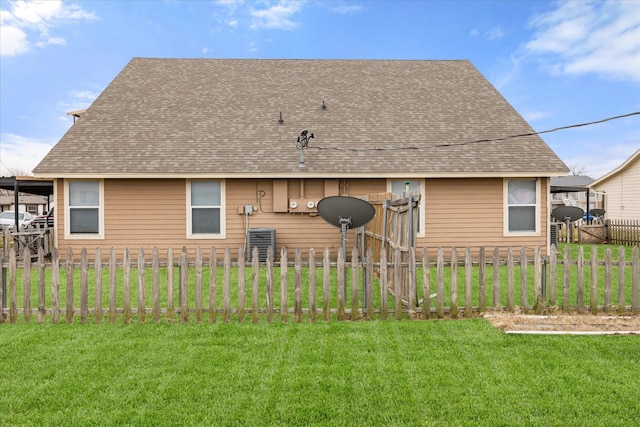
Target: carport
29 185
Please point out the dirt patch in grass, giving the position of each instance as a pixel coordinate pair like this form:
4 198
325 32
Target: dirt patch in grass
565 324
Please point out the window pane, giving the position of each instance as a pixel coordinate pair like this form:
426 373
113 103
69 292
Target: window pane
522 218
398 187
522 192
84 193
205 221
205 193
82 220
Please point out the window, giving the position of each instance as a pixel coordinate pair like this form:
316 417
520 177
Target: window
84 209
399 186
205 209
32 209
522 204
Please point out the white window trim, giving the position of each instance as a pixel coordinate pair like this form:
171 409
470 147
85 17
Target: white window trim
422 210
505 215
223 215
67 216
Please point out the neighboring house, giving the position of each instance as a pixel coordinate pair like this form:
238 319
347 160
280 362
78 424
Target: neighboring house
572 191
176 153
36 205
621 188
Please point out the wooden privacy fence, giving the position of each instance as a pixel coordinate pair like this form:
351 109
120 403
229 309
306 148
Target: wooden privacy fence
623 231
184 288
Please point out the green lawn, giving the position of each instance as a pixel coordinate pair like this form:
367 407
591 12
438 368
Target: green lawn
386 373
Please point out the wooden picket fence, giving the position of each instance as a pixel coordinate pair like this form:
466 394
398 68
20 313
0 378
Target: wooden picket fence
331 289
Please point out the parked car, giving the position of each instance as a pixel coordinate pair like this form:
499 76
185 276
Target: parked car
8 219
47 219
588 217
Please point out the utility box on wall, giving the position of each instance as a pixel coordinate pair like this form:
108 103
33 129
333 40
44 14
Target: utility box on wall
261 238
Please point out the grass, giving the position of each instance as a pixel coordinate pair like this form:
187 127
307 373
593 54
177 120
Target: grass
386 373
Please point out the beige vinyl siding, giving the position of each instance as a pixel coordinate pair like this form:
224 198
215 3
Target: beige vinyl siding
152 213
622 193
464 212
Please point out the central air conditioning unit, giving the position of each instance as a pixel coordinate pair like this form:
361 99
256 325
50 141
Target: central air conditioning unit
261 238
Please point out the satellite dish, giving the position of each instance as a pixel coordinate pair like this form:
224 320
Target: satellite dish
346 211
597 212
567 213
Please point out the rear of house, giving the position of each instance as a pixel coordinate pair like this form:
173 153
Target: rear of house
194 153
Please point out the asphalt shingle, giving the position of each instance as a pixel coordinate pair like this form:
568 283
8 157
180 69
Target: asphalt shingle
220 117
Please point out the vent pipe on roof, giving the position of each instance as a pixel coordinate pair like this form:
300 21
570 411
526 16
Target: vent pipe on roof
324 106
280 122
303 142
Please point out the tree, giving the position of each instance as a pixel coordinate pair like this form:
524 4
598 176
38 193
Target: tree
576 170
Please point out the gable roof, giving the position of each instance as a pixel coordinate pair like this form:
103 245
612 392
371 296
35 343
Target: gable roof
220 117
617 170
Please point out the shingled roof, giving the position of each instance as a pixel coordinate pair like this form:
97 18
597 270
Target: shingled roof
220 117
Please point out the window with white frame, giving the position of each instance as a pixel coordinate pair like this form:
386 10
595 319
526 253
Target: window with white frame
522 205
205 208
401 186
84 208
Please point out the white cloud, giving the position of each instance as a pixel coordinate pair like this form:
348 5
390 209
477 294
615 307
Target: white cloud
18 153
589 37
13 41
275 17
29 23
494 33
345 9
532 116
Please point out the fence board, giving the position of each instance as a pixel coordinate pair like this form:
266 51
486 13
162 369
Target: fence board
255 282
454 283
26 283
213 286
69 296
468 290
426 280
312 285
84 286
97 266
198 284
42 311
142 309
241 285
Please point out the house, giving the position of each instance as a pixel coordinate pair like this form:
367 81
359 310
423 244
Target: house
34 204
574 191
621 188
194 152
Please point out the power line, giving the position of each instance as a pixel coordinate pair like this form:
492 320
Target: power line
451 144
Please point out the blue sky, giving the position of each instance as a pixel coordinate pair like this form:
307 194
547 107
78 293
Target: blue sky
558 63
